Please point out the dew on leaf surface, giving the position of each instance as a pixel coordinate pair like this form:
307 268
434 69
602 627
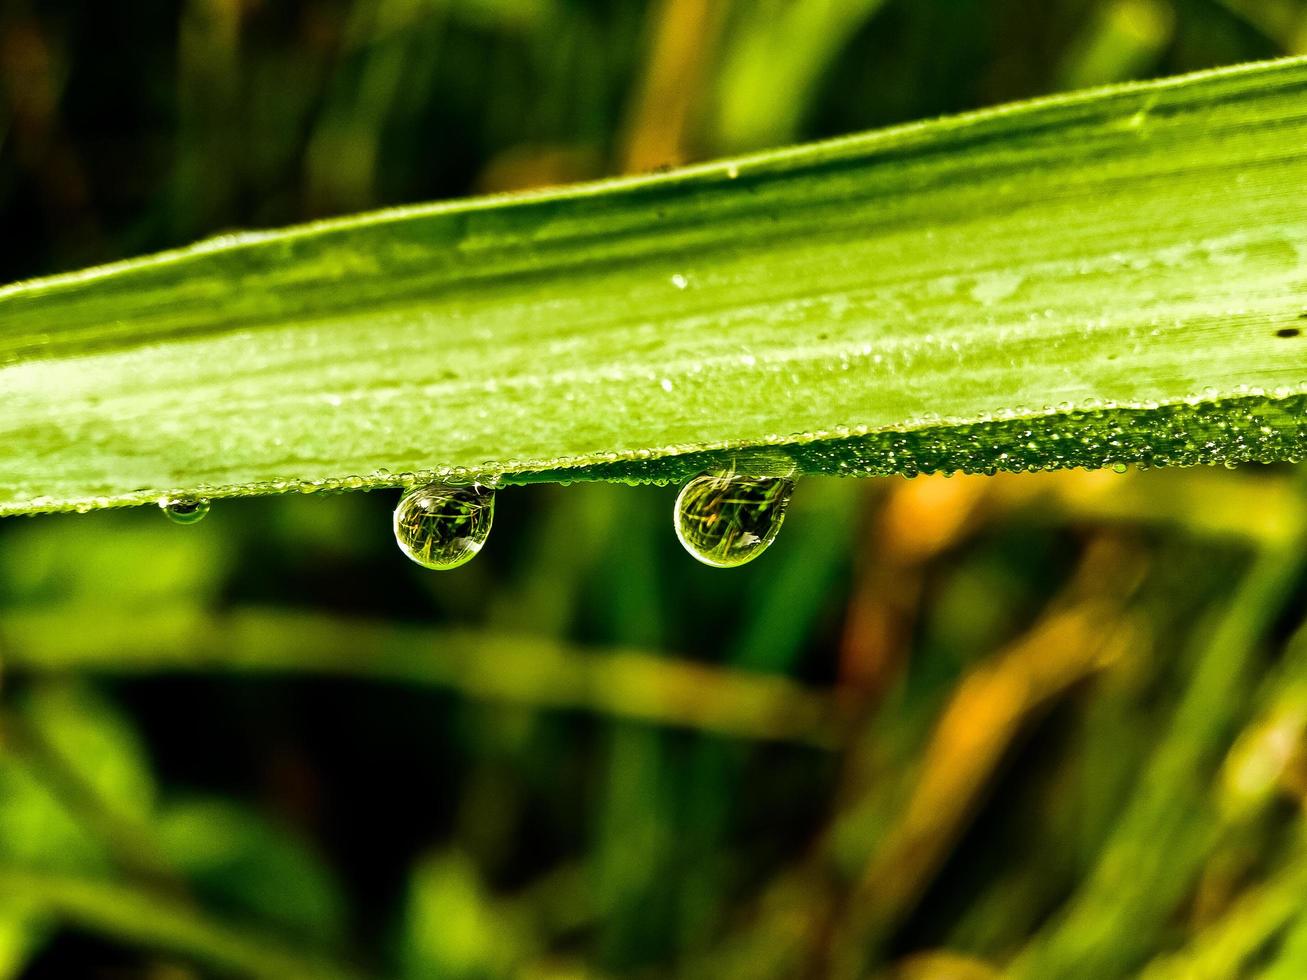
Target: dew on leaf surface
442 526
726 519
185 510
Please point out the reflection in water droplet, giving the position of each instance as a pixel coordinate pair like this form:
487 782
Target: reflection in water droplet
442 526
185 510
727 519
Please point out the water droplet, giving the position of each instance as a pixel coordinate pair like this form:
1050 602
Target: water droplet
726 519
444 525
679 281
185 510
1120 467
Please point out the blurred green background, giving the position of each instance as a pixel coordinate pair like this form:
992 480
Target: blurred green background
1052 725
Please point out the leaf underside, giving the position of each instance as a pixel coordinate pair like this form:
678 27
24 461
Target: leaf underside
1117 276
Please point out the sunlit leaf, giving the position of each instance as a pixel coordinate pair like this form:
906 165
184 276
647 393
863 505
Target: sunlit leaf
1118 276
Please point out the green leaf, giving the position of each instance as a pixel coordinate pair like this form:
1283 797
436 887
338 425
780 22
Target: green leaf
76 758
452 928
20 936
773 60
1116 276
133 914
116 561
507 668
242 865
90 739
36 829
96 743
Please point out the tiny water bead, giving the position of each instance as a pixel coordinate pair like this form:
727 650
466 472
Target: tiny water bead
443 526
185 510
726 519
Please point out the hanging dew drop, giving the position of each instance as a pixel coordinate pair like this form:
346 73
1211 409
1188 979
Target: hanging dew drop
727 519
185 510
443 526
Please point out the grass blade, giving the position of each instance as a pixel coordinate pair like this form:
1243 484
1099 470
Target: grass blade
1115 276
127 912
497 668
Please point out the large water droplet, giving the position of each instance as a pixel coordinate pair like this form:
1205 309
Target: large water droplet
443 526
726 519
185 510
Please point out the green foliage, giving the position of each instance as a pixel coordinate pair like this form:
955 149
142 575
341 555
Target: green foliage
1104 278
451 927
80 731
242 866
1052 724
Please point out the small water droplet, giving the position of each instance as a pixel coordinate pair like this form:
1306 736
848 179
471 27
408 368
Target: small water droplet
442 525
185 510
727 519
679 281
1120 467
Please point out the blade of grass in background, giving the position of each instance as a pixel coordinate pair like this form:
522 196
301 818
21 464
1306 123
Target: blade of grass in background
513 669
1108 277
769 72
160 922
